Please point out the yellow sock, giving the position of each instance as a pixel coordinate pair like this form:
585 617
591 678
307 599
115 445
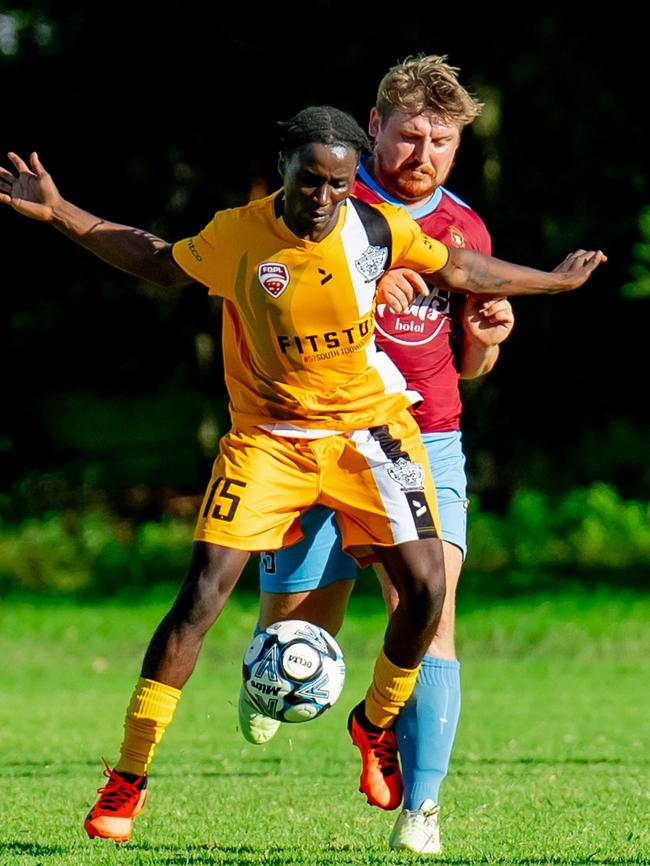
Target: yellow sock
391 688
149 713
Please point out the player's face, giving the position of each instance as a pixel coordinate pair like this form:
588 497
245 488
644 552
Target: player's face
413 153
317 179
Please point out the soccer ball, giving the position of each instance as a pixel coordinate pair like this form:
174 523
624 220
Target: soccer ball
293 671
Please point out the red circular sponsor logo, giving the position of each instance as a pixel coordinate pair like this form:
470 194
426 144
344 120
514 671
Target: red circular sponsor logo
420 323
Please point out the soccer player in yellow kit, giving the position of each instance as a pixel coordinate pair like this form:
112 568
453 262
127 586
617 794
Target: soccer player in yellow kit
319 415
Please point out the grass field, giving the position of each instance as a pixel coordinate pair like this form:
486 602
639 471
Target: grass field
551 763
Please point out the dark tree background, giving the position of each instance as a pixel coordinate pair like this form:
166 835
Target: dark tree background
159 114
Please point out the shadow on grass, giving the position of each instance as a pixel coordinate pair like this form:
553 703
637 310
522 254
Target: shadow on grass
31 849
35 769
466 765
270 767
245 855
598 857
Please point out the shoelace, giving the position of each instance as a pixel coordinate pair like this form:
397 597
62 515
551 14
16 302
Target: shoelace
416 815
385 750
117 790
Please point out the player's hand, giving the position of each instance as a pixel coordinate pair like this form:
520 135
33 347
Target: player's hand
31 191
398 287
488 322
577 267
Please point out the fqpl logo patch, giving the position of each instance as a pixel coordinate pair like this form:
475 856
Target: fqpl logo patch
409 476
273 277
372 264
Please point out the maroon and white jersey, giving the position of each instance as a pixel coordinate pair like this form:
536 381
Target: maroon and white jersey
420 340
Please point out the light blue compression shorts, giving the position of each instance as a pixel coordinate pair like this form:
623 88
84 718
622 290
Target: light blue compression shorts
319 560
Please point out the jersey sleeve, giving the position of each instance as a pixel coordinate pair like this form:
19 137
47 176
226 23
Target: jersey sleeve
412 248
481 240
208 256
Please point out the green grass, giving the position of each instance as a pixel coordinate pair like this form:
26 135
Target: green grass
551 763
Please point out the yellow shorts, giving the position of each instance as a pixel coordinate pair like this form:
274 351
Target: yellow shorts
377 481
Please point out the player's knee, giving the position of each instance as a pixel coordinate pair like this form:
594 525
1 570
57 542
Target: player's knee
433 595
434 582
425 596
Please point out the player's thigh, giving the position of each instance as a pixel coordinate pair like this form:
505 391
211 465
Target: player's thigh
314 562
325 607
259 485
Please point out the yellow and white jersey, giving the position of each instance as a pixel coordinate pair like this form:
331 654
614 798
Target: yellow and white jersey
299 316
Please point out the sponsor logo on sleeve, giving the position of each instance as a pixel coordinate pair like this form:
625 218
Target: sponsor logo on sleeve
273 277
192 248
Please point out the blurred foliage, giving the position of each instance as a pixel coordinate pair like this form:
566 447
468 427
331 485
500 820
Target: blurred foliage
640 269
91 552
589 536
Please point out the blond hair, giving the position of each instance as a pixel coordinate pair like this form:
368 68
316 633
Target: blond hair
426 83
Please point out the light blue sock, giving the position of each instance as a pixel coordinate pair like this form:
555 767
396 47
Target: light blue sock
426 729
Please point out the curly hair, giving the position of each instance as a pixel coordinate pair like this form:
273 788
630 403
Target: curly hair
321 124
426 83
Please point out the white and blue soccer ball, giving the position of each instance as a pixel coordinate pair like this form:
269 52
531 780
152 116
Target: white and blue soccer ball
293 671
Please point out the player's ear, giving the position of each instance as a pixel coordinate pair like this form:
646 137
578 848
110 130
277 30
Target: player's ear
374 122
282 164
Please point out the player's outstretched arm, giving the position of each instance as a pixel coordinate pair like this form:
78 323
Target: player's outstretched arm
31 192
469 271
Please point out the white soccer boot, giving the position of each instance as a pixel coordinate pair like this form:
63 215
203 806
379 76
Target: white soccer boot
255 727
418 830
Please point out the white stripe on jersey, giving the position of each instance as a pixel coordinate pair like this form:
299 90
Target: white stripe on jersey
355 242
394 381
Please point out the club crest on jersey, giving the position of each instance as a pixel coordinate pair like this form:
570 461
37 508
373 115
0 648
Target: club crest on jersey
409 476
273 277
372 264
457 237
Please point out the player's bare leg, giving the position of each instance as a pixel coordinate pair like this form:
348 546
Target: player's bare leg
416 570
324 607
443 644
176 643
168 664
425 738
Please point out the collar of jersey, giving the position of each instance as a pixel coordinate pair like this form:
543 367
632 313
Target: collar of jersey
296 240
417 213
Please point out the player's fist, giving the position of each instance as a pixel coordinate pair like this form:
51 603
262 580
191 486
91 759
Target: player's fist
398 287
488 322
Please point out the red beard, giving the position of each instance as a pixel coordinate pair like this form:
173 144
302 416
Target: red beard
413 183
